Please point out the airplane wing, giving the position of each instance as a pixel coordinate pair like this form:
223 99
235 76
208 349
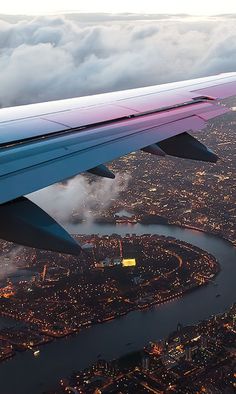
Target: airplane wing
45 143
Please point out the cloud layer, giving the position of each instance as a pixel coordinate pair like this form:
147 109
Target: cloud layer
47 58
10 262
81 196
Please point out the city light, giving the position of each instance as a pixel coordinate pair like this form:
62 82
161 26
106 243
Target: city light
128 262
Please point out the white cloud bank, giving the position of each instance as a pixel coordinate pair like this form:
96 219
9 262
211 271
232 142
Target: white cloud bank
47 58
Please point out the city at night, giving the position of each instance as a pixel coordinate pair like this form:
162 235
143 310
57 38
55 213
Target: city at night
117 202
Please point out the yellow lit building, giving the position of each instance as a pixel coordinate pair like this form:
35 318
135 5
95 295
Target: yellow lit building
128 263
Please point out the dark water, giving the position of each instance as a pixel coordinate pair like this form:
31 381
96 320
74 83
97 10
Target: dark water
8 323
21 275
26 374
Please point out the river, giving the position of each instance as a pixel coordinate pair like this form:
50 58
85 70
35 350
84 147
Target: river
26 374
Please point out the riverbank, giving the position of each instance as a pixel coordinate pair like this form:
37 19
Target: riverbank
220 236
147 220
51 336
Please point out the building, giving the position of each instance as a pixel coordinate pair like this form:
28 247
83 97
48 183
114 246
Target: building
145 363
188 353
44 273
128 263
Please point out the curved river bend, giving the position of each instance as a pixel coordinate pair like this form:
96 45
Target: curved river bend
26 374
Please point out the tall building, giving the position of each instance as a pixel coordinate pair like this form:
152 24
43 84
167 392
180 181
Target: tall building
44 273
188 353
94 255
234 322
179 327
121 249
145 363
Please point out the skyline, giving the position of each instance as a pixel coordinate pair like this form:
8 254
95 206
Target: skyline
26 7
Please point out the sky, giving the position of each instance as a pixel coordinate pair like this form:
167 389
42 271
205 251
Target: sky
105 54
199 7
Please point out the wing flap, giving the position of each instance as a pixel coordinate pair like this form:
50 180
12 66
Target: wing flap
221 91
28 128
37 128
84 117
154 101
214 113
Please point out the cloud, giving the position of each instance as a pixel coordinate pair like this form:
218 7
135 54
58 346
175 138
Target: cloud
81 196
47 58
10 261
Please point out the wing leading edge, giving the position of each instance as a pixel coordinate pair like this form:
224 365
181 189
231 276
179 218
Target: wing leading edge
42 144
